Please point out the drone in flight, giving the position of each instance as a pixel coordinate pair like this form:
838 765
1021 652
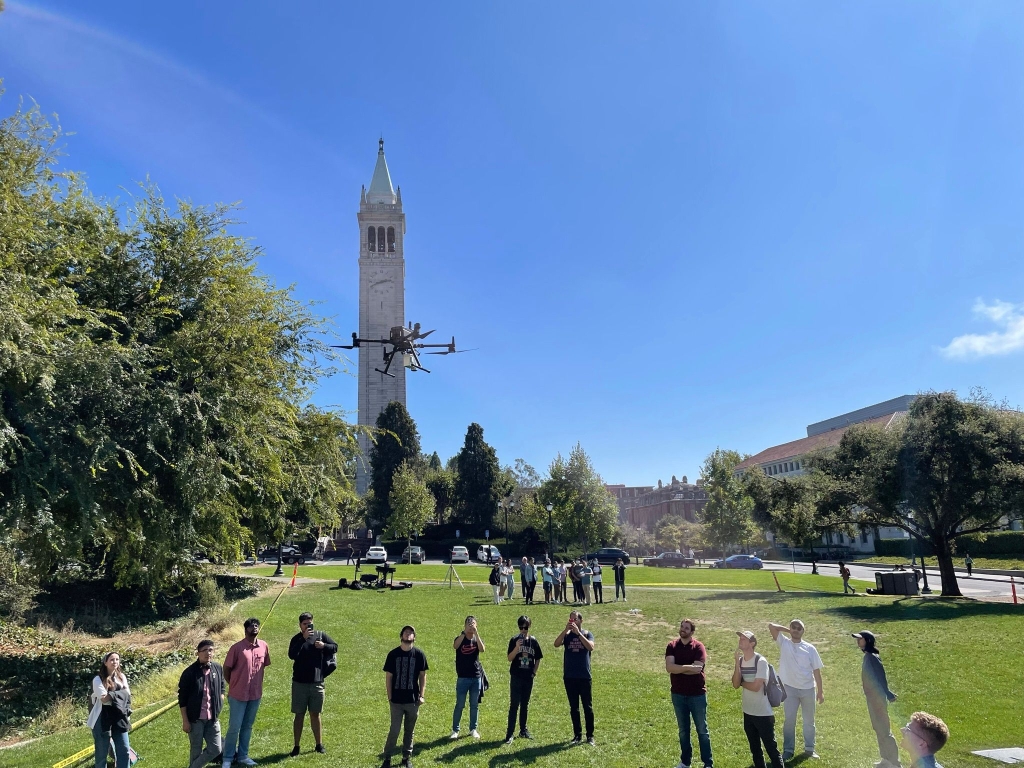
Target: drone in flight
405 342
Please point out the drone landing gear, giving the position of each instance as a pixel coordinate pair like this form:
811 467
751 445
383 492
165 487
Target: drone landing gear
378 370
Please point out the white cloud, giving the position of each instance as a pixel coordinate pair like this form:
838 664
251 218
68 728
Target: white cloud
1008 319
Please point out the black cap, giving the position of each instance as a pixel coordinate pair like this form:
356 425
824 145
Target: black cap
869 637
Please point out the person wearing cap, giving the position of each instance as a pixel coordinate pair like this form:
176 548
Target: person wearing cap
878 695
200 697
923 736
579 644
751 674
800 669
524 655
243 669
405 678
685 659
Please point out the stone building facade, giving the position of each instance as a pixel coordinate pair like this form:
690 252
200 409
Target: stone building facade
680 498
381 299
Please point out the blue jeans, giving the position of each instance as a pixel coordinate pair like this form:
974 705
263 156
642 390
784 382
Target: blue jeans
243 714
463 686
101 741
697 708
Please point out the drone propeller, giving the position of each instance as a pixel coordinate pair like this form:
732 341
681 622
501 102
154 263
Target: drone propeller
452 351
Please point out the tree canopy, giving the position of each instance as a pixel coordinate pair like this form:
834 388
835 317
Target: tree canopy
727 514
396 442
478 481
152 381
411 504
582 508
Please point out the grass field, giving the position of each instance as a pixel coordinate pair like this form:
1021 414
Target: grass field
955 659
1009 562
640 576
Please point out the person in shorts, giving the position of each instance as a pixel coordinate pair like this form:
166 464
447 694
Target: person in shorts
309 649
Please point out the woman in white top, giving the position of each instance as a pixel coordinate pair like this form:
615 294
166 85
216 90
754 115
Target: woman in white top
110 678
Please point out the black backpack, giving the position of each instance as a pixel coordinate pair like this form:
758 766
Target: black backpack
328 664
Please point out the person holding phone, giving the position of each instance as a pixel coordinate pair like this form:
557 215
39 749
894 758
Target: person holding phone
468 676
524 655
576 675
307 650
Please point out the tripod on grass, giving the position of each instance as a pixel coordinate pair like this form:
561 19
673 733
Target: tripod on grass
452 573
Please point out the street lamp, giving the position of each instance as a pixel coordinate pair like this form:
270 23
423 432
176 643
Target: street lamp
279 571
924 571
505 504
551 538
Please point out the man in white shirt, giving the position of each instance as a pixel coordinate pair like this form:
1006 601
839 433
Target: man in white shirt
800 671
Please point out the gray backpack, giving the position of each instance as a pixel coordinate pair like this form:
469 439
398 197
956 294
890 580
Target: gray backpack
773 689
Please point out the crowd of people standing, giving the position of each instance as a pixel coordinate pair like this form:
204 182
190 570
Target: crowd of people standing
586 579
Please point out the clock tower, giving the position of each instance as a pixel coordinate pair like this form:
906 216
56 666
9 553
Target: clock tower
381 300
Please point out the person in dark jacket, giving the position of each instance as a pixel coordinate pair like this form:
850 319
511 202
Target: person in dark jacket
200 697
878 695
619 569
309 649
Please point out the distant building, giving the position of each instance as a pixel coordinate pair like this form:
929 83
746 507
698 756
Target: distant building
787 460
644 506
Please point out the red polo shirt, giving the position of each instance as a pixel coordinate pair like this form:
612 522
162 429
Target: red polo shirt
688 653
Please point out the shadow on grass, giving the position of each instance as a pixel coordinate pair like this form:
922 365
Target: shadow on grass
530 754
924 608
273 759
467 749
765 597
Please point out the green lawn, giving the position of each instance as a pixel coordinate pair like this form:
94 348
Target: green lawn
954 659
1009 562
697 578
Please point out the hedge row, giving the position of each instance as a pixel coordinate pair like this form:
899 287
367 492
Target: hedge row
978 544
36 669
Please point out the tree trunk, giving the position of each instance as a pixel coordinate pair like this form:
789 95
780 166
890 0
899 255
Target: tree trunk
950 587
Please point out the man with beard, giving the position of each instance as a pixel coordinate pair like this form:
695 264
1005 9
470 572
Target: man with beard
685 660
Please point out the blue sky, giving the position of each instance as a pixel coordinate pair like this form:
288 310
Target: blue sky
667 226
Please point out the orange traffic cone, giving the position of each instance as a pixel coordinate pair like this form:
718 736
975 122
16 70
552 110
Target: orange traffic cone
295 571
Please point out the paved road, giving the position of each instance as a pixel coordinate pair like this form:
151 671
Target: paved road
976 586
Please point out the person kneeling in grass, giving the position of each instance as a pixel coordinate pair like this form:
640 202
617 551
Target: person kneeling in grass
923 736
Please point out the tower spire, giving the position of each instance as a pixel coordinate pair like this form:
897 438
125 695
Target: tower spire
381 190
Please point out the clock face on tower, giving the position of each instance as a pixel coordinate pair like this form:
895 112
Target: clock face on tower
381 292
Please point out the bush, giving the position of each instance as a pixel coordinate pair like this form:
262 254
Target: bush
997 543
18 587
45 668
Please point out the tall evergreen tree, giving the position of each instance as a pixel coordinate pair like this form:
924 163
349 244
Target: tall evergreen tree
583 510
397 441
727 516
477 482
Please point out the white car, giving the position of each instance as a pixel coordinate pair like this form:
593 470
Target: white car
459 555
488 553
377 555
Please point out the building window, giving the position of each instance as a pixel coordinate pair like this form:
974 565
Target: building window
380 239
371 238
391 239
863 537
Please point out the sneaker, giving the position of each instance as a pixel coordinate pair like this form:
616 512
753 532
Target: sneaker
295 751
406 762
455 735
680 764
510 739
525 735
810 754
248 762
576 740
787 756
475 733
321 749
591 742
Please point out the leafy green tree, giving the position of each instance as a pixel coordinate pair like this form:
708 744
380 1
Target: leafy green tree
478 483
727 514
674 532
151 380
789 507
583 509
411 504
397 442
441 484
434 463
952 467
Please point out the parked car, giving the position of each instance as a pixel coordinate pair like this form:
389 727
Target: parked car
459 555
669 560
739 561
413 555
376 556
488 553
289 555
608 555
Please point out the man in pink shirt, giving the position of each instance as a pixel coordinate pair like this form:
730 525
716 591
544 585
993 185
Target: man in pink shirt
243 669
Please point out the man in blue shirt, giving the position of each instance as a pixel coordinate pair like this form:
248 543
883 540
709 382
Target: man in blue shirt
578 644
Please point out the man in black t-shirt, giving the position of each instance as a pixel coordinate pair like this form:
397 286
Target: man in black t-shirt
578 643
524 654
405 674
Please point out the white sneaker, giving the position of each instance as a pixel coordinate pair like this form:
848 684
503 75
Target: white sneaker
248 762
455 735
681 764
475 733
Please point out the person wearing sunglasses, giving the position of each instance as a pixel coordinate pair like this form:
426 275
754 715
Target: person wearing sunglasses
923 736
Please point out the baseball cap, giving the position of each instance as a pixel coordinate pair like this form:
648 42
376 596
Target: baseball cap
868 636
748 634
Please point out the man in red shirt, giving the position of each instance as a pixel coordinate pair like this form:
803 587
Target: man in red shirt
243 668
685 659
